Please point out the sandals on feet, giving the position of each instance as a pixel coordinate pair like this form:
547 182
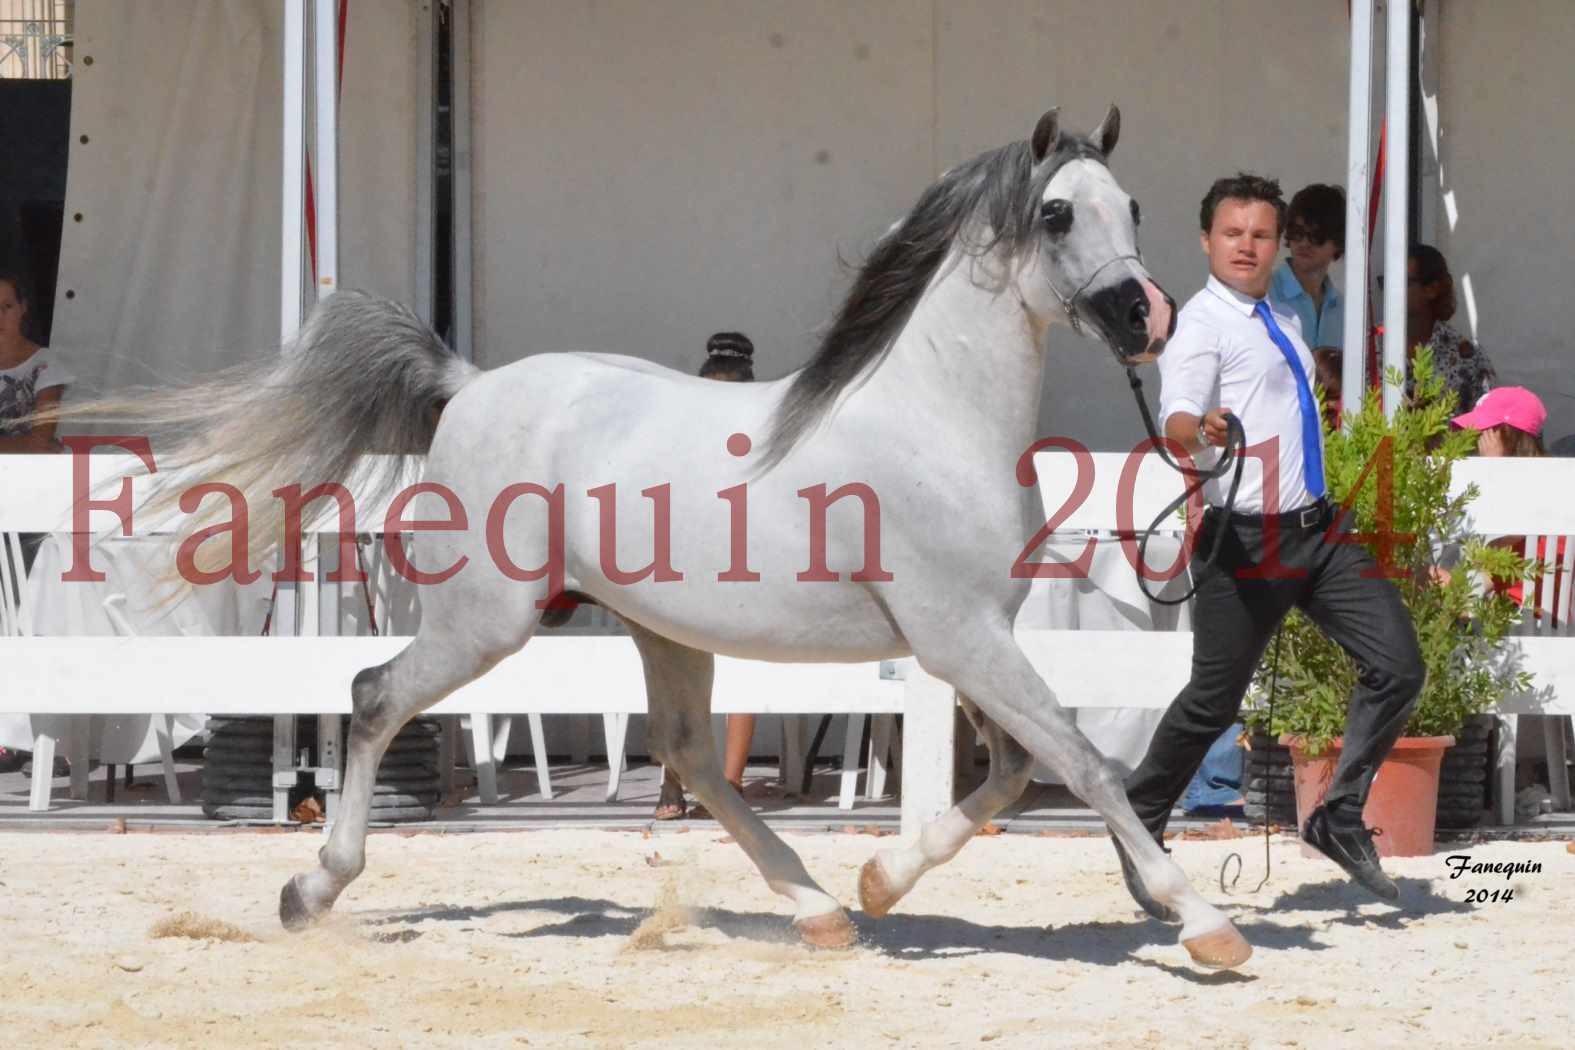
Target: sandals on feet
670 805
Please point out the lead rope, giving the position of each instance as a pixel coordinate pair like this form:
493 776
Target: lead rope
1274 681
1232 455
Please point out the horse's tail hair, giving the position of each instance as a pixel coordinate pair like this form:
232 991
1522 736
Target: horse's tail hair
363 375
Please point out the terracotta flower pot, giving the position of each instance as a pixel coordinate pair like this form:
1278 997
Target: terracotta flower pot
1404 798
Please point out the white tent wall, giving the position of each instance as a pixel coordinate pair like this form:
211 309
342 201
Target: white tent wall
1507 220
175 163
646 174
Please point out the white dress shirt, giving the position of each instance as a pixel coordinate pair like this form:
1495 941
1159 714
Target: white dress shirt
1222 356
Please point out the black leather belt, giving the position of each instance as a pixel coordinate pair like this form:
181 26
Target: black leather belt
1313 516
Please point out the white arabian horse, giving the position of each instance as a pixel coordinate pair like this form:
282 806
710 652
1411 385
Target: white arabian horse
889 460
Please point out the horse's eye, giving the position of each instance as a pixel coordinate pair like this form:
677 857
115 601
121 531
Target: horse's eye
1057 215
1137 214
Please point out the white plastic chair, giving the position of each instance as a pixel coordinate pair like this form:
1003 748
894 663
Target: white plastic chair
16 621
1547 610
163 724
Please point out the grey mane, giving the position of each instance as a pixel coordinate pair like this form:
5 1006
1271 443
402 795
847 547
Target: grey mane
995 194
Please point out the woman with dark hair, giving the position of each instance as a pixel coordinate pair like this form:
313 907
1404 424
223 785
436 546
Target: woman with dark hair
1430 303
729 359
31 377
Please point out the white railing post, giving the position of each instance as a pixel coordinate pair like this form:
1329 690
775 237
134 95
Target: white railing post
929 732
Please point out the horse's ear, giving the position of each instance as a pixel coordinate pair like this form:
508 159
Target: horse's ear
1108 132
1045 133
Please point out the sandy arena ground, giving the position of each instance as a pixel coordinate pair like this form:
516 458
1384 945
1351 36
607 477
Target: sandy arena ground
529 939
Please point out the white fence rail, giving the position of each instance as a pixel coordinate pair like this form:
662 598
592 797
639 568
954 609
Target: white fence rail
579 674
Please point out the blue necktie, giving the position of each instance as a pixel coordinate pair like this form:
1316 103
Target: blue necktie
1312 426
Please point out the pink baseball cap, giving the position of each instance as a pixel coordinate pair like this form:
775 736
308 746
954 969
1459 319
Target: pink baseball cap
1515 405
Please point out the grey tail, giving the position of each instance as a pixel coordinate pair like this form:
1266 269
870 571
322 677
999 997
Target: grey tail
364 375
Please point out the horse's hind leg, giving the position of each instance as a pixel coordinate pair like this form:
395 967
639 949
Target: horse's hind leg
890 874
384 698
678 690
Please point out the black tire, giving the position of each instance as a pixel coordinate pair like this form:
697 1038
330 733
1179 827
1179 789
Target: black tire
417 745
418 728
237 776
265 813
219 811
389 799
401 770
217 787
1268 768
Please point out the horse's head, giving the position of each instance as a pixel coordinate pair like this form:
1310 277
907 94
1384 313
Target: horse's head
1088 244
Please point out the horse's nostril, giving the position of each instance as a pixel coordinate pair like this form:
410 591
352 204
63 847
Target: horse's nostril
1137 317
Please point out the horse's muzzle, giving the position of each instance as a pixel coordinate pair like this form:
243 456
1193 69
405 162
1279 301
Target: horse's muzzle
1135 316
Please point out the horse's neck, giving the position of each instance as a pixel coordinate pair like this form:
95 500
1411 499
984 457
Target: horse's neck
970 355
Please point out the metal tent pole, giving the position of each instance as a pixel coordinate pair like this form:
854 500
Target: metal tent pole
325 99
1397 175
1358 181
292 249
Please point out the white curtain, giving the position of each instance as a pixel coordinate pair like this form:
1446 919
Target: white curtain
170 256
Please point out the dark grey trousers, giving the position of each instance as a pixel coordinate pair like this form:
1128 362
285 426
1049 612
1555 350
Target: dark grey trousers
1234 616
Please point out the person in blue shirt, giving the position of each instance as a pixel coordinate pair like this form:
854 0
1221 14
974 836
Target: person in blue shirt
1314 241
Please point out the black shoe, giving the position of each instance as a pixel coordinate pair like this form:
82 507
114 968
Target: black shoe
1162 912
1352 850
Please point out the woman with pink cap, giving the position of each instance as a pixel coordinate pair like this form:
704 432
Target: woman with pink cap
1508 421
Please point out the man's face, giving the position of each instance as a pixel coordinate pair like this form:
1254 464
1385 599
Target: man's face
1242 245
1308 253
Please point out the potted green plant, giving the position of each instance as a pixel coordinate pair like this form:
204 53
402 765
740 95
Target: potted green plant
1395 475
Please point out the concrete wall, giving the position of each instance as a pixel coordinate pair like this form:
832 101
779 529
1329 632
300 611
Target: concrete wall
1507 221
649 173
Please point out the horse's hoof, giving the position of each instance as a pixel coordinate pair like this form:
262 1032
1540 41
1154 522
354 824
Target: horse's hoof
1221 949
1139 892
833 931
876 893
293 911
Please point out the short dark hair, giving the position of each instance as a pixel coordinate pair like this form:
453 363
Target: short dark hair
1243 186
1321 208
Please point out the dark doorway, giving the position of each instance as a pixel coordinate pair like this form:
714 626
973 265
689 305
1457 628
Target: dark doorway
35 126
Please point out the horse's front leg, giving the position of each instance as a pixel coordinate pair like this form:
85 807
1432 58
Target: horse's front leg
986 665
890 874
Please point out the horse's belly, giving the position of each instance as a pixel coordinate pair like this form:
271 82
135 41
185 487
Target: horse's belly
843 623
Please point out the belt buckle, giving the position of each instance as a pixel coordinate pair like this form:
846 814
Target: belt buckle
1307 517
